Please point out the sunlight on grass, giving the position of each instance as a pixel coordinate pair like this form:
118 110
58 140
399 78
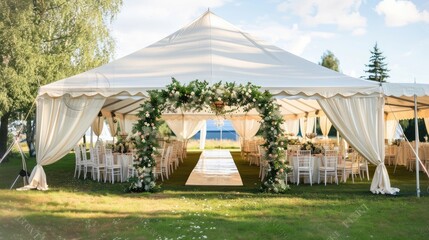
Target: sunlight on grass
86 209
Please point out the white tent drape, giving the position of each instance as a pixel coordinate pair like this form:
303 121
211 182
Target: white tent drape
61 122
360 120
203 135
291 126
391 126
325 125
112 121
126 123
184 129
246 128
306 125
129 122
97 125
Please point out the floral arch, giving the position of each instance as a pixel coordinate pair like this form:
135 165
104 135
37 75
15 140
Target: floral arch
198 96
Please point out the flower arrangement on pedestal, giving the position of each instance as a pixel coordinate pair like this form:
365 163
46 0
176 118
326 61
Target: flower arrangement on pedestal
311 146
124 144
310 135
198 96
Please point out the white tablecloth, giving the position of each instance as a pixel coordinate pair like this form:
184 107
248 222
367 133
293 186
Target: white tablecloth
123 160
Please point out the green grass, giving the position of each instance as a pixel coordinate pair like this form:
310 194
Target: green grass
85 209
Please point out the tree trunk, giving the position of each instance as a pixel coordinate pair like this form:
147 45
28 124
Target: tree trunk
4 122
30 132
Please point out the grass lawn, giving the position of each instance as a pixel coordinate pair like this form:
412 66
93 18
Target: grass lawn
85 209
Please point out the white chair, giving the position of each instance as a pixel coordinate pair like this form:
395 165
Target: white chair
87 163
351 167
179 147
131 168
112 168
253 155
157 170
328 166
161 167
174 158
425 159
99 166
411 157
344 169
79 165
263 163
390 154
363 167
305 165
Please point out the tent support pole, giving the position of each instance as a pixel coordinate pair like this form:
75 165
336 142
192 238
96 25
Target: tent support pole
416 128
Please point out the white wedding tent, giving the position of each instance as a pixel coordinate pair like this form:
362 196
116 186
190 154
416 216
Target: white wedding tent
212 49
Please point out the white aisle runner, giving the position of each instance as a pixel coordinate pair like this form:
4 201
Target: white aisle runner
215 168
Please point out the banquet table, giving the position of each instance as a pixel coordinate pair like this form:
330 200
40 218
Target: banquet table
403 153
316 158
123 159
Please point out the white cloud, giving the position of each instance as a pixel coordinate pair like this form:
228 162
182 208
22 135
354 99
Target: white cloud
399 13
144 22
342 13
407 53
359 32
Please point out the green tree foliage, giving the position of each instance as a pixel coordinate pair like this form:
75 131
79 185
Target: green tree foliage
377 68
330 61
43 41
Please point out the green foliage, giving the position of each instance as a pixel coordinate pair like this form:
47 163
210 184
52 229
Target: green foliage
377 68
43 41
408 126
330 61
199 96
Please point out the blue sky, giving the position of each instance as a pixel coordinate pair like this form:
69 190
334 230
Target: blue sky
307 28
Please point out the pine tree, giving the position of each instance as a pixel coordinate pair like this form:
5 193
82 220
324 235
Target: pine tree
377 68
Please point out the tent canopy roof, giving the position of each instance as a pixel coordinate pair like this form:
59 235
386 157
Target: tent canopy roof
210 49
214 50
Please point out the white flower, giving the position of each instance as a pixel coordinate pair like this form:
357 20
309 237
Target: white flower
254 100
249 91
219 99
147 115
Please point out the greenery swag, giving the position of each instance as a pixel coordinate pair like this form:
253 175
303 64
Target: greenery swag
198 96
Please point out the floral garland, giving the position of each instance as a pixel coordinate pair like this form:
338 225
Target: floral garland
198 96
